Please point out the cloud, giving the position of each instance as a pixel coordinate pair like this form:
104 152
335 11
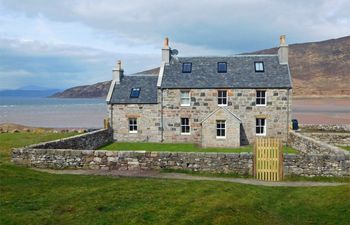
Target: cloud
238 25
73 42
24 62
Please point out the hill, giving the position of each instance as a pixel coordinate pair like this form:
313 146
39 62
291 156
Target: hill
318 69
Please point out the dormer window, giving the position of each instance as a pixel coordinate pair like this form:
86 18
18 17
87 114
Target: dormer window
222 67
187 67
135 92
259 66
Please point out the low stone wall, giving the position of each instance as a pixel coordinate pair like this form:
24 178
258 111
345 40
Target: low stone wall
308 145
331 138
91 140
241 163
317 165
326 127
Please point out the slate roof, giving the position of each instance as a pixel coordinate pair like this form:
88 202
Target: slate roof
147 84
240 73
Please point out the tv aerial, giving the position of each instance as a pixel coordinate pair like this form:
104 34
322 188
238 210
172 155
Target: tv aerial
174 52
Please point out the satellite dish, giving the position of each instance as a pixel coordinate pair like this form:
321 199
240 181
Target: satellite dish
174 52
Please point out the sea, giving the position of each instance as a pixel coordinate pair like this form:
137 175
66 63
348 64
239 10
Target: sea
89 113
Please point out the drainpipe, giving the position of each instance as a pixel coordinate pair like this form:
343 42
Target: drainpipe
161 116
111 116
288 114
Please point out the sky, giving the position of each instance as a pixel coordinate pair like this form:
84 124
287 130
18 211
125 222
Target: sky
64 43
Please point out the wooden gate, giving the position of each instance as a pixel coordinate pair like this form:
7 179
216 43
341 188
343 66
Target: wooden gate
268 159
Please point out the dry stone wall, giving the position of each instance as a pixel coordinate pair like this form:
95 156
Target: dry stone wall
331 138
90 140
241 163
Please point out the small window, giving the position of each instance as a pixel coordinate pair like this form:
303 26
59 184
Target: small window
259 66
135 92
222 67
220 129
222 98
260 98
132 125
187 67
185 98
261 126
185 126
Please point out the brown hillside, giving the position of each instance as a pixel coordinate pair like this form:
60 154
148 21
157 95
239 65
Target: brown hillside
319 68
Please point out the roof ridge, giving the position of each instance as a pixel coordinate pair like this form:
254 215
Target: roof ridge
232 56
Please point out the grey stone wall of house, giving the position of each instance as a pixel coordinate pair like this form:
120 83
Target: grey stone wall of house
240 101
148 122
209 135
308 145
90 140
241 163
334 138
326 127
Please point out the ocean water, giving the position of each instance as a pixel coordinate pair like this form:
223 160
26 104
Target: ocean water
89 113
53 112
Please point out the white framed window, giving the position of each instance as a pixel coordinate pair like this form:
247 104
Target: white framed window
222 98
185 98
260 126
132 125
220 129
185 126
259 66
261 98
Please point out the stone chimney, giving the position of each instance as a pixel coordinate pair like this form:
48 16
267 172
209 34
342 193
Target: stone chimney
283 50
118 72
166 51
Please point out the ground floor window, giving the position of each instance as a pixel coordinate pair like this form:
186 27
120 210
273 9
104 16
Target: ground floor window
260 126
185 126
220 128
132 125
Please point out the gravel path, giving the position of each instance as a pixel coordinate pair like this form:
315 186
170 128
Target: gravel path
181 176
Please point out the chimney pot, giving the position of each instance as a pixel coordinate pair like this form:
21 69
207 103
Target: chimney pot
166 42
283 50
282 39
166 51
118 72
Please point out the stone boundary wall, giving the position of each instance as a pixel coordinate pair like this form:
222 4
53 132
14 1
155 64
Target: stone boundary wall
241 163
327 127
308 145
90 140
331 138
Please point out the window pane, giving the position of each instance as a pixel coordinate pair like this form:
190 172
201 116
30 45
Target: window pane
135 92
186 67
222 67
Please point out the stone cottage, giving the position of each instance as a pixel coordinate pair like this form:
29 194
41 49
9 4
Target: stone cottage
224 101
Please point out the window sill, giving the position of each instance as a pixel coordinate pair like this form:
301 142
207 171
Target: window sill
221 138
186 134
260 105
132 132
185 105
260 134
222 105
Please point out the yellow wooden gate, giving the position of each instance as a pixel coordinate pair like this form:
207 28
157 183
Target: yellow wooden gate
268 159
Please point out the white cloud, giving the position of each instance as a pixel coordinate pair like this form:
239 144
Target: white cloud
79 40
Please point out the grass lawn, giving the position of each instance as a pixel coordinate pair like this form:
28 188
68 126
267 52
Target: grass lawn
345 147
32 197
182 147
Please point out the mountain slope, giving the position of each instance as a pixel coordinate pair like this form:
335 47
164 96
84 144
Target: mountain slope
317 68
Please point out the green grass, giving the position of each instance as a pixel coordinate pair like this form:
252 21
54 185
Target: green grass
178 147
32 197
345 147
